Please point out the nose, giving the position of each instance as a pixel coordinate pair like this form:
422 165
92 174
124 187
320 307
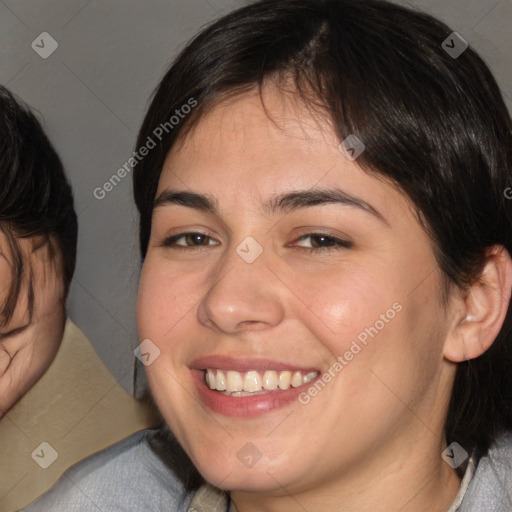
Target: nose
244 296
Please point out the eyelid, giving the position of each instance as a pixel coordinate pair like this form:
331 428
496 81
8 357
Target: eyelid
341 243
170 240
14 332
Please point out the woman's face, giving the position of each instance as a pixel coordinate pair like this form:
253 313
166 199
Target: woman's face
28 346
282 261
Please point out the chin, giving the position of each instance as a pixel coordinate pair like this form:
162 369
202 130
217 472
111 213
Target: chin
248 480
249 471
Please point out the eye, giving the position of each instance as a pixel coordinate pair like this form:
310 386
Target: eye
323 242
184 240
13 332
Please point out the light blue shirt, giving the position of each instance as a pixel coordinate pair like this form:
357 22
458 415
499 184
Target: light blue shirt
129 477
490 488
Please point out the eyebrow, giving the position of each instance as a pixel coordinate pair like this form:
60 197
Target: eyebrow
281 204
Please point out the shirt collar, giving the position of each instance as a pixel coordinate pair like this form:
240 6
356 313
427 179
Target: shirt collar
468 475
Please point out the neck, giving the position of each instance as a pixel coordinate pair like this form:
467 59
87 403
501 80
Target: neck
414 482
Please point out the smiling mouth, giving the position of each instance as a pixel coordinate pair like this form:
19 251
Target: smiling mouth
251 383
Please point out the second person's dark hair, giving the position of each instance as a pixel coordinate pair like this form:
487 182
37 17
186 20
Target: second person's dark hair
36 199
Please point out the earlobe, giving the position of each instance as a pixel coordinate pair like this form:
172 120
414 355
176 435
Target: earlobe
483 309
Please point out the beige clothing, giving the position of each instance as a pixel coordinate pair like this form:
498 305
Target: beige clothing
77 407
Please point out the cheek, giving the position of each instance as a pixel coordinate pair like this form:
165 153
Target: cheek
375 328
343 304
392 356
42 348
34 354
166 303
159 300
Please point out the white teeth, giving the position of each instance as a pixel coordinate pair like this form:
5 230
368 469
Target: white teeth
245 393
296 380
270 380
210 379
284 380
251 383
220 381
234 381
309 377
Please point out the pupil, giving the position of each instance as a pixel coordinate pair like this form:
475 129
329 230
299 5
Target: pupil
322 241
196 239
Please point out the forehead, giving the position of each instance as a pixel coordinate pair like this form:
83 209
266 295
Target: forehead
269 114
248 140
249 148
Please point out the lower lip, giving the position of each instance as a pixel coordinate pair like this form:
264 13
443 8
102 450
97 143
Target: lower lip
245 406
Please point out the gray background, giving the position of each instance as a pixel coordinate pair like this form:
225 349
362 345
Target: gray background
92 93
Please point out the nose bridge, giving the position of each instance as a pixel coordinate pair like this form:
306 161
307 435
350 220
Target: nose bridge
245 291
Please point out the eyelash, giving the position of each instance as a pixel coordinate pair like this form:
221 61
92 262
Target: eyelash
12 333
340 244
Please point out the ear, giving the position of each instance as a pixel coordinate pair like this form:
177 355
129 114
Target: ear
479 314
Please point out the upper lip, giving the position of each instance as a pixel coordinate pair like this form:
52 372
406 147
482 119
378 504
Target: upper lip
245 364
